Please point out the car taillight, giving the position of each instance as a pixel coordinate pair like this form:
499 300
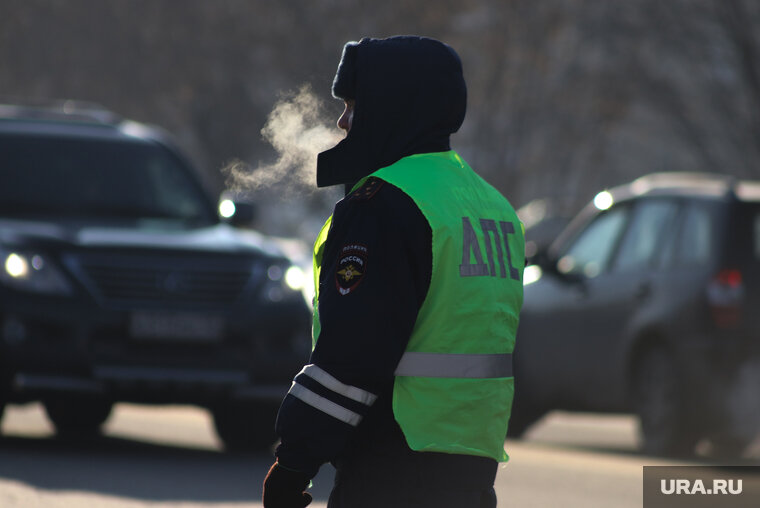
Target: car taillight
725 294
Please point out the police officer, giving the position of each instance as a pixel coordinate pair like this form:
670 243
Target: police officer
409 387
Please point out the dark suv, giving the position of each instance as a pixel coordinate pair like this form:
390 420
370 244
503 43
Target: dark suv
647 303
119 281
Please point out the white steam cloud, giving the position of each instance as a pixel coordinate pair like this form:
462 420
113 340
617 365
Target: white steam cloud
297 131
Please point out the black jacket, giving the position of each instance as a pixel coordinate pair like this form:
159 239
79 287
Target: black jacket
364 332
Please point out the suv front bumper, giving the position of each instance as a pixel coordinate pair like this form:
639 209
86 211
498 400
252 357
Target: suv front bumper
57 347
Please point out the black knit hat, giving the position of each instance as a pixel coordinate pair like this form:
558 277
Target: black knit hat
410 96
344 84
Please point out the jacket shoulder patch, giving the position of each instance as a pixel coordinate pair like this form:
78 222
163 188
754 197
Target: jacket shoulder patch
369 189
351 268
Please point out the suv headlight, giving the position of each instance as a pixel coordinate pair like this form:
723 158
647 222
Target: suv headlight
280 281
295 278
31 271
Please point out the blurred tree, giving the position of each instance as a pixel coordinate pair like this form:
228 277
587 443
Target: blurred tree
565 97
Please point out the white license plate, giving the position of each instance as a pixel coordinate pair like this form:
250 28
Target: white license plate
179 326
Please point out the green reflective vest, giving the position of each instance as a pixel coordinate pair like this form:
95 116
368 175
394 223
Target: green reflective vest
454 387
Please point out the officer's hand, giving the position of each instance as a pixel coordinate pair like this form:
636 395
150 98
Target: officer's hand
284 488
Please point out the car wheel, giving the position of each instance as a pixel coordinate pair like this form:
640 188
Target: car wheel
658 401
77 417
729 447
246 427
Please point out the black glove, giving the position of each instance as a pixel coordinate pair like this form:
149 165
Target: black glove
284 488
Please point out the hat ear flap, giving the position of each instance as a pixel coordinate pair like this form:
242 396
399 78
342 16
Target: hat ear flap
344 84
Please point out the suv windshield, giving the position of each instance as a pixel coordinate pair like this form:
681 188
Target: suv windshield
98 178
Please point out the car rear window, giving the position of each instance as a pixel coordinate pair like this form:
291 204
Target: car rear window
697 235
643 240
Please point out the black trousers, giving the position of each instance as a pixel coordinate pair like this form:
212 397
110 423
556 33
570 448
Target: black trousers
387 474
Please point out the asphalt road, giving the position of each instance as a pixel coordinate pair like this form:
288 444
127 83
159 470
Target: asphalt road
170 457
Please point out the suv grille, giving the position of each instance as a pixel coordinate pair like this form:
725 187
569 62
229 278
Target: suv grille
186 284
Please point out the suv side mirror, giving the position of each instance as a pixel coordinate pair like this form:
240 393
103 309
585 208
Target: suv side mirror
541 258
550 264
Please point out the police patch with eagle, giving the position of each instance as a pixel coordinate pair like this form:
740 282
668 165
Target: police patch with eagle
352 265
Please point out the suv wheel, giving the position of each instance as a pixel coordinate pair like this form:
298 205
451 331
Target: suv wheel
77 417
658 403
246 427
4 386
522 418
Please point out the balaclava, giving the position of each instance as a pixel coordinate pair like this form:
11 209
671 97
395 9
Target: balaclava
410 97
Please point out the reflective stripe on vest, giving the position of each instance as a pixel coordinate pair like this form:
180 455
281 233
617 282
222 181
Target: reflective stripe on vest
453 365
